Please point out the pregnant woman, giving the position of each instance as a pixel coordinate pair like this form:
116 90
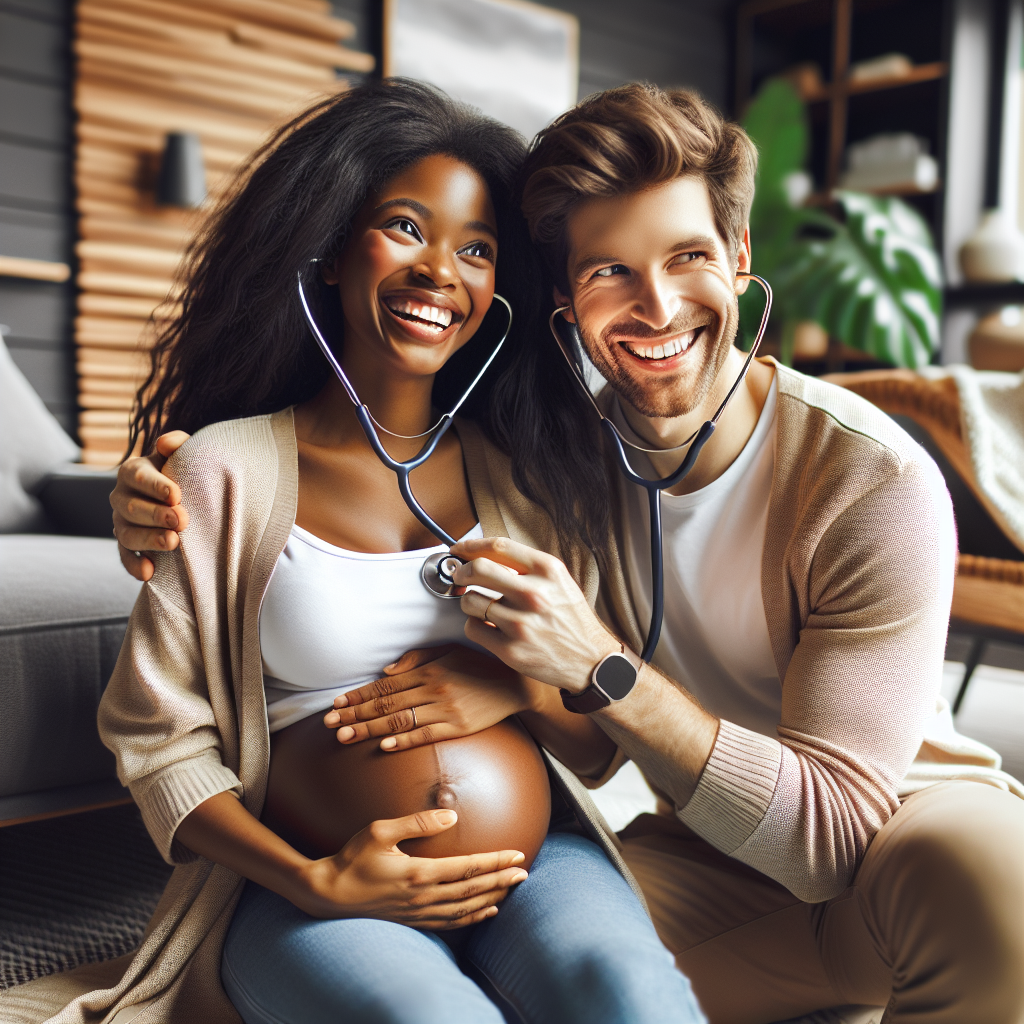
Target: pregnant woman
319 881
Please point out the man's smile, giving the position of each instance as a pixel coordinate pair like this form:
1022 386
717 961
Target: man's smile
666 351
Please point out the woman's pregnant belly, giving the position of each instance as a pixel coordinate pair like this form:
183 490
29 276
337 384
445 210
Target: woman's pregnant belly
321 793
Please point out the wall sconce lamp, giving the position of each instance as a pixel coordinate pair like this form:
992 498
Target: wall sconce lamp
182 180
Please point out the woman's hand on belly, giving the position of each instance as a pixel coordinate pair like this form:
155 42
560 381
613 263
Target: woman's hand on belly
369 877
372 877
431 694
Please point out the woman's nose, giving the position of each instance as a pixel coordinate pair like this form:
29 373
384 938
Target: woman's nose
438 268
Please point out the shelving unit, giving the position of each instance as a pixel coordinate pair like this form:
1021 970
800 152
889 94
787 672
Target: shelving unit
774 36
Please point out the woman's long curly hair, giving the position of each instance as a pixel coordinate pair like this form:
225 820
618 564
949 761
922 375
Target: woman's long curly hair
240 345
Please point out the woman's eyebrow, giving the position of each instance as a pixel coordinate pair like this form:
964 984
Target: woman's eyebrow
479 225
422 210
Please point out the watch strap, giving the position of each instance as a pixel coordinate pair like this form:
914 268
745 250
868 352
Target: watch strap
593 698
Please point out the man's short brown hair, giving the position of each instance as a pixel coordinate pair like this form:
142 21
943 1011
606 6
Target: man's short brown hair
627 139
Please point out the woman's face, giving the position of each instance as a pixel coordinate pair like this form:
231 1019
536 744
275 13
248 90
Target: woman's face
417 273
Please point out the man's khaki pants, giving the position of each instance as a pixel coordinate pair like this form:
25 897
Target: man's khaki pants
932 927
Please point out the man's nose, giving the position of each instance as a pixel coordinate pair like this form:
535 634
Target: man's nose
655 303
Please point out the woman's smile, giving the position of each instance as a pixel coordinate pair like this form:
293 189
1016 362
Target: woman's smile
425 315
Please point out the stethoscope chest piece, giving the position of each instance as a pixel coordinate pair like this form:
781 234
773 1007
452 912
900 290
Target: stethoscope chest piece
437 572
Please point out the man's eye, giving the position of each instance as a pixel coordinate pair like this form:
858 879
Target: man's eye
616 268
689 257
479 249
406 226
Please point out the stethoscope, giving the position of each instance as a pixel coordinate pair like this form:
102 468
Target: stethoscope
696 441
439 567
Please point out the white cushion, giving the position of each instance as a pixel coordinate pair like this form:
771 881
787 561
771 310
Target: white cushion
32 443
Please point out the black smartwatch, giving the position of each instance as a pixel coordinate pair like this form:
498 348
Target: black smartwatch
612 680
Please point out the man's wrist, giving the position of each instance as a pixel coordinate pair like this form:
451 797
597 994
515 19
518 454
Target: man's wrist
611 681
581 678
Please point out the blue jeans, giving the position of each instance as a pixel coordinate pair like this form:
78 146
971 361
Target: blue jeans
570 944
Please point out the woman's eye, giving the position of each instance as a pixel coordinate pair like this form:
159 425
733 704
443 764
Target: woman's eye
406 226
479 249
616 268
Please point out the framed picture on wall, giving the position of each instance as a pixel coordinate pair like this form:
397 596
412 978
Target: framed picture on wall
516 61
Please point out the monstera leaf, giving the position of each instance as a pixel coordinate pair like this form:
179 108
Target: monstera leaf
777 122
873 281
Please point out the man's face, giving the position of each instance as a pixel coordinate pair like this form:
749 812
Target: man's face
654 293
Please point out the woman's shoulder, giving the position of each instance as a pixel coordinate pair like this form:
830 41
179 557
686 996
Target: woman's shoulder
236 459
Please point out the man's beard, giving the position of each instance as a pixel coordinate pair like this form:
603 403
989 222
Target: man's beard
668 397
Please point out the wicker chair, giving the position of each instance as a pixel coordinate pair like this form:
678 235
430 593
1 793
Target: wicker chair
988 595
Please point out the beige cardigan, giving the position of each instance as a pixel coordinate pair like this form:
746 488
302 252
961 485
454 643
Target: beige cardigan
186 716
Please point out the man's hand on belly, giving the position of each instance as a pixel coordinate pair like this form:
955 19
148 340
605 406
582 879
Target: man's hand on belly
431 694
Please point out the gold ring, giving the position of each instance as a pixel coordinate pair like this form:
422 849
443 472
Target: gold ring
414 723
487 609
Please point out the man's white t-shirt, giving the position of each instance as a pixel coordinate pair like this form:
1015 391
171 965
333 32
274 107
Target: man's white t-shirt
715 636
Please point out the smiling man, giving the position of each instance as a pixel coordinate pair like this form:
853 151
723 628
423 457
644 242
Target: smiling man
805 859
826 838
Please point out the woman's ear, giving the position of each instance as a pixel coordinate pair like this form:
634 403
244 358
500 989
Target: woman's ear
743 262
563 300
329 270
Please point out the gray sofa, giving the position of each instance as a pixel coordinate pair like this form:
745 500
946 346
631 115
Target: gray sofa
64 605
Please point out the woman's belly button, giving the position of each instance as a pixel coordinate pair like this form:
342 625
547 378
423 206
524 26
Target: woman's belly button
321 793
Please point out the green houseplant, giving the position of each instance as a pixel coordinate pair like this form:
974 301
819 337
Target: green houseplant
869 276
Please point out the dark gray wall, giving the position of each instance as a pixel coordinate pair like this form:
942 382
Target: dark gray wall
668 42
36 219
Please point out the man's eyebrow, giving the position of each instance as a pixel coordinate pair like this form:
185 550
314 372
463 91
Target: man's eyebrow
592 262
422 210
588 263
697 242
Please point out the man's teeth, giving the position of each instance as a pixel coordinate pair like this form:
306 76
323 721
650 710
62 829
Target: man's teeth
664 351
431 314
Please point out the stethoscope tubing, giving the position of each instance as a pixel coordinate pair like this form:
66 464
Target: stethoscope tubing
655 487
402 469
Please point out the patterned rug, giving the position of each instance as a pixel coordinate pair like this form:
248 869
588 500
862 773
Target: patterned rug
75 890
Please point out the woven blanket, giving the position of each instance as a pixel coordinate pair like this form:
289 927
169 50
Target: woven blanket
992 423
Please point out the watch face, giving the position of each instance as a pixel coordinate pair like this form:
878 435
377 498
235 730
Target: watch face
616 676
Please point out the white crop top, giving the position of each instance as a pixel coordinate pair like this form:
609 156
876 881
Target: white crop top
331 620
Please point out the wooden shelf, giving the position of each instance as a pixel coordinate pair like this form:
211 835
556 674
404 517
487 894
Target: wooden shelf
979 294
825 198
853 87
34 270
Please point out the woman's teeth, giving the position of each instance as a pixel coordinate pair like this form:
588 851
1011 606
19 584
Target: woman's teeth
436 316
664 351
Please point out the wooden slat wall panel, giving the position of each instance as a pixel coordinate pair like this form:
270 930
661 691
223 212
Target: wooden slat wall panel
230 70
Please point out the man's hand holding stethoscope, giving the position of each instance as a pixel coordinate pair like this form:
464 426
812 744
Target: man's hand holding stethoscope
542 625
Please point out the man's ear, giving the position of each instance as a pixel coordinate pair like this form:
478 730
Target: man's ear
563 300
743 262
329 271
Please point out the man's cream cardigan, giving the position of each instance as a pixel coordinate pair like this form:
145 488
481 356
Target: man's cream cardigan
856 602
